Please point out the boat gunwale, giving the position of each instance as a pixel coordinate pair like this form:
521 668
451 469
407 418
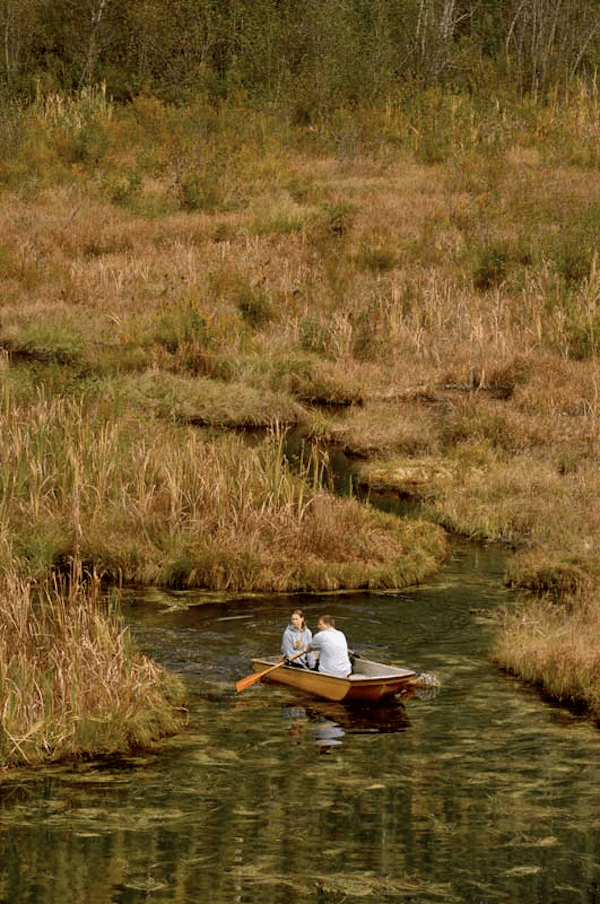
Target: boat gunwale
398 672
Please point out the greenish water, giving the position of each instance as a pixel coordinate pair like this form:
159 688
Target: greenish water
479 793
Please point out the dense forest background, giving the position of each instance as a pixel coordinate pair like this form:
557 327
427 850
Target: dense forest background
304 56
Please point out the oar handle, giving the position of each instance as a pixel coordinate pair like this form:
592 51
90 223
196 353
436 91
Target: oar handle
298 655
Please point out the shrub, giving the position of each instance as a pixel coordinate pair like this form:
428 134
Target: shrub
315 336
254 305
182 323
122 186
497 260
378 257
199 191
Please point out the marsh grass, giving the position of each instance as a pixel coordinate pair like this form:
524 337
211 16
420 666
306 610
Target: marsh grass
71 682
213 400
426 273
168 506
550 646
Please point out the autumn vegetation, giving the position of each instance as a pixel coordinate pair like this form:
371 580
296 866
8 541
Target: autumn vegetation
218 236
72 683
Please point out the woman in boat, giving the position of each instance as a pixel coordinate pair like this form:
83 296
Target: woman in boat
297 636
333 649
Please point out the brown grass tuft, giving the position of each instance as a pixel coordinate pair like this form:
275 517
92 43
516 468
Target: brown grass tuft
71 682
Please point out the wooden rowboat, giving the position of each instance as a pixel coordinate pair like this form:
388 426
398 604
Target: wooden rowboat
369 681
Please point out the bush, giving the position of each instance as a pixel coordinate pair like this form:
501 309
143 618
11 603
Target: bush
315 336
254 305
575 246
497 260
199 191
184 323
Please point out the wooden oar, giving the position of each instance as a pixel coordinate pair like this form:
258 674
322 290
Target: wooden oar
249 680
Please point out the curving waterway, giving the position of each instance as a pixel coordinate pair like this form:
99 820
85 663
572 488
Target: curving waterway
480 792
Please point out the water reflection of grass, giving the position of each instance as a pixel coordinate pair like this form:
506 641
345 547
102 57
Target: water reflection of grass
220 813
343 886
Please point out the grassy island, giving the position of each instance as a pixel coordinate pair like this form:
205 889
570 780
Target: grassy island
414 281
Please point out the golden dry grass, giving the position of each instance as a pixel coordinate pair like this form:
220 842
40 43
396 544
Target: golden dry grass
445 315
71 683
551 648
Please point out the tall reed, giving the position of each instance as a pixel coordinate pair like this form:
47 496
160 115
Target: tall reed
170 507
71 682
554 647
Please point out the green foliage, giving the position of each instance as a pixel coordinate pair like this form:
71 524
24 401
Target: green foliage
309 59
379 256
11 128
184 323
433 129
285 221
491 268
582 330
333 221
123 185
474 423
568 462
254 305
79 124
302 190
497 260
252 302
45 549
45 342
199 191
367 334
575 247
87 145
315 336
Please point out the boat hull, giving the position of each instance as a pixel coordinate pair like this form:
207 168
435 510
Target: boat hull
369 682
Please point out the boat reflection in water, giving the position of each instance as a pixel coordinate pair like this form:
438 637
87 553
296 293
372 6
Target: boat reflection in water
329 722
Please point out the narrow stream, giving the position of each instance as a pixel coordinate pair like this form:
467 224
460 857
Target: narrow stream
481 792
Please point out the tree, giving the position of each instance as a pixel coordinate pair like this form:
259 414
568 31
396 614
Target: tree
547 41
18 22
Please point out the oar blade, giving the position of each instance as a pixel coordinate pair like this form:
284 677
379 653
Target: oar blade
248 681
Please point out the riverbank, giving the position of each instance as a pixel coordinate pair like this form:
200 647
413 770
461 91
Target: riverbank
73 684
167 290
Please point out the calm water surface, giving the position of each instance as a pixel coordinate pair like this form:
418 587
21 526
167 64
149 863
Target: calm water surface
479 793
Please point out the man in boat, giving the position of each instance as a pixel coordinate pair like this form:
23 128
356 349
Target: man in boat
332 647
